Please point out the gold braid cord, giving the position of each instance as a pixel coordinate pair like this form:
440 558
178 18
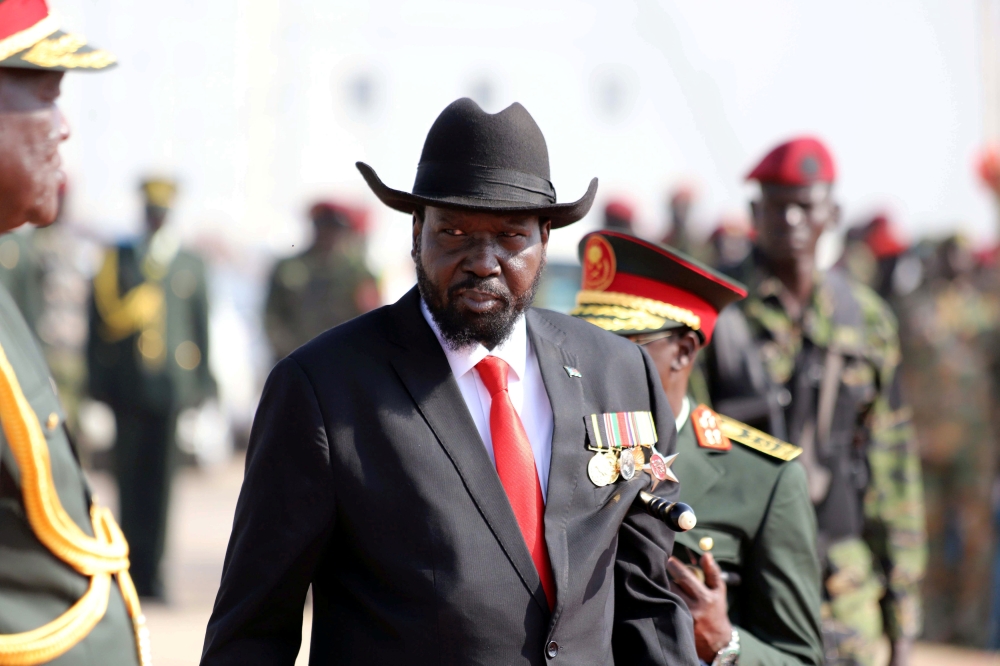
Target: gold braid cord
630 313
140 310
101 556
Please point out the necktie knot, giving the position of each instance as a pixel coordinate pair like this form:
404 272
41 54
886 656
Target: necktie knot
493 372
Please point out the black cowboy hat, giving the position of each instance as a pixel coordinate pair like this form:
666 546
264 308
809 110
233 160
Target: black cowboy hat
494 162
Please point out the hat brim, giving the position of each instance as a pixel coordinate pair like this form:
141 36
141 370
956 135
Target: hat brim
623 326
61 52
561 215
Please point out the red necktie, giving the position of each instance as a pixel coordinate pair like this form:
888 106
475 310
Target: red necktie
516 468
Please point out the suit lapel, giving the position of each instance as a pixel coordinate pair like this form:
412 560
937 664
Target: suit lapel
423 368
568 435
694 467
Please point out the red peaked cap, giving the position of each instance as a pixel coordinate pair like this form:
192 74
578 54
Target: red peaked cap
801 161
650 287
18 15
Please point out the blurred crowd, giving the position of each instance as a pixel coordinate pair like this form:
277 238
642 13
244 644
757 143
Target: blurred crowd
140 336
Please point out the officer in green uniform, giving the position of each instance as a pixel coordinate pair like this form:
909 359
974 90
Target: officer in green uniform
812 357
65 593
749 570
21 273
322 287
147 356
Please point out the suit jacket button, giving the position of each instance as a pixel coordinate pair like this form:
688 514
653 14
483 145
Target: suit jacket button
552 649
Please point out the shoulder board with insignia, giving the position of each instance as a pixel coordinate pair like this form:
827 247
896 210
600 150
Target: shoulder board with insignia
757 440
707 430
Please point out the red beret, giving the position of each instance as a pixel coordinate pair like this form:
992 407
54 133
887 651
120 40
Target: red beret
355 218
881 238
620 209
801 161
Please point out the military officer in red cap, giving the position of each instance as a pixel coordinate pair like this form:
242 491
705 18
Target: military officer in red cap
811 357
749 570
66 596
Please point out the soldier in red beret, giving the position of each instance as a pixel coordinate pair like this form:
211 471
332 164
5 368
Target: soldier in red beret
811 357
323 286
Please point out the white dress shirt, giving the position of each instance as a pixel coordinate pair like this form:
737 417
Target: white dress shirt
682 418
524 384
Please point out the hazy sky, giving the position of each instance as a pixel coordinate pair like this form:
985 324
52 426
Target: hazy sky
259 105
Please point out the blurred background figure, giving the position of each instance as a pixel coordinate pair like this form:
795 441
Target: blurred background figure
729 247
947 326
324 286
619 216
871 252
679 209
148 359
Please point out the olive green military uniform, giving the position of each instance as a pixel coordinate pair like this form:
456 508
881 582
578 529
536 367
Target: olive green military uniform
755 518
859 450
35 586
21 273
312 292
148 359
947 375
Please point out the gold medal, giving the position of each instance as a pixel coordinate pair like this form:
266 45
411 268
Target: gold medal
601 471
612 458
639 457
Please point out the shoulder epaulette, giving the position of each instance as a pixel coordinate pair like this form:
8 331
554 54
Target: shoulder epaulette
707 429
757 440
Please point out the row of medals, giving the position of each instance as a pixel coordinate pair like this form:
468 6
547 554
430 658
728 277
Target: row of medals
608 465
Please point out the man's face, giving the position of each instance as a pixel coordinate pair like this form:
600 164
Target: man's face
790 219
156 217
31 129
478 272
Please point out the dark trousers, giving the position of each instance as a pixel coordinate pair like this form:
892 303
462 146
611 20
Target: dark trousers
144 462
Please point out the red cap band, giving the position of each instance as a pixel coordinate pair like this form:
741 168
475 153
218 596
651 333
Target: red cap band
18 15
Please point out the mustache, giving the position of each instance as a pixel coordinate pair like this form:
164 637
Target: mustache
491 286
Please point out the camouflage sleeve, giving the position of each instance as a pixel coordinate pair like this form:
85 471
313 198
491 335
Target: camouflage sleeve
894 501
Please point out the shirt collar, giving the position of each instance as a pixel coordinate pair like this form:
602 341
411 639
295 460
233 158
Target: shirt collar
682 418
513 351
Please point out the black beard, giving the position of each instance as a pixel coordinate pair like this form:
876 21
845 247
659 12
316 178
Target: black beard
461 329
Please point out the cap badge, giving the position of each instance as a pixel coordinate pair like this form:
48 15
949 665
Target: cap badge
809 167
599 264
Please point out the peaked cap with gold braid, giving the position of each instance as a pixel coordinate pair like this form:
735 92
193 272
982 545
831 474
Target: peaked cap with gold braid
30 38
631 286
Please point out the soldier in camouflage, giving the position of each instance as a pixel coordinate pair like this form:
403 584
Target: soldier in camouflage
322 287
948 342
812 358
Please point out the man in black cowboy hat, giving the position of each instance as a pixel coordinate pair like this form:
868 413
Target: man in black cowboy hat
424 467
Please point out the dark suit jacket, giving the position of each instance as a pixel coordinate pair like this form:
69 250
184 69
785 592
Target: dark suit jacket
366 478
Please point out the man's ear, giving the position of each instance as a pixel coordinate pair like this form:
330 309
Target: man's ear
544 227
755 214
834 217
417 227
687 350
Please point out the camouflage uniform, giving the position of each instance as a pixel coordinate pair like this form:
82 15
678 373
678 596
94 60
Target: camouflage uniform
312 292
948 346
874 567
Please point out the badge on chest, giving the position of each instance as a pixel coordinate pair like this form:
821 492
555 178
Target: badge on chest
622 443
